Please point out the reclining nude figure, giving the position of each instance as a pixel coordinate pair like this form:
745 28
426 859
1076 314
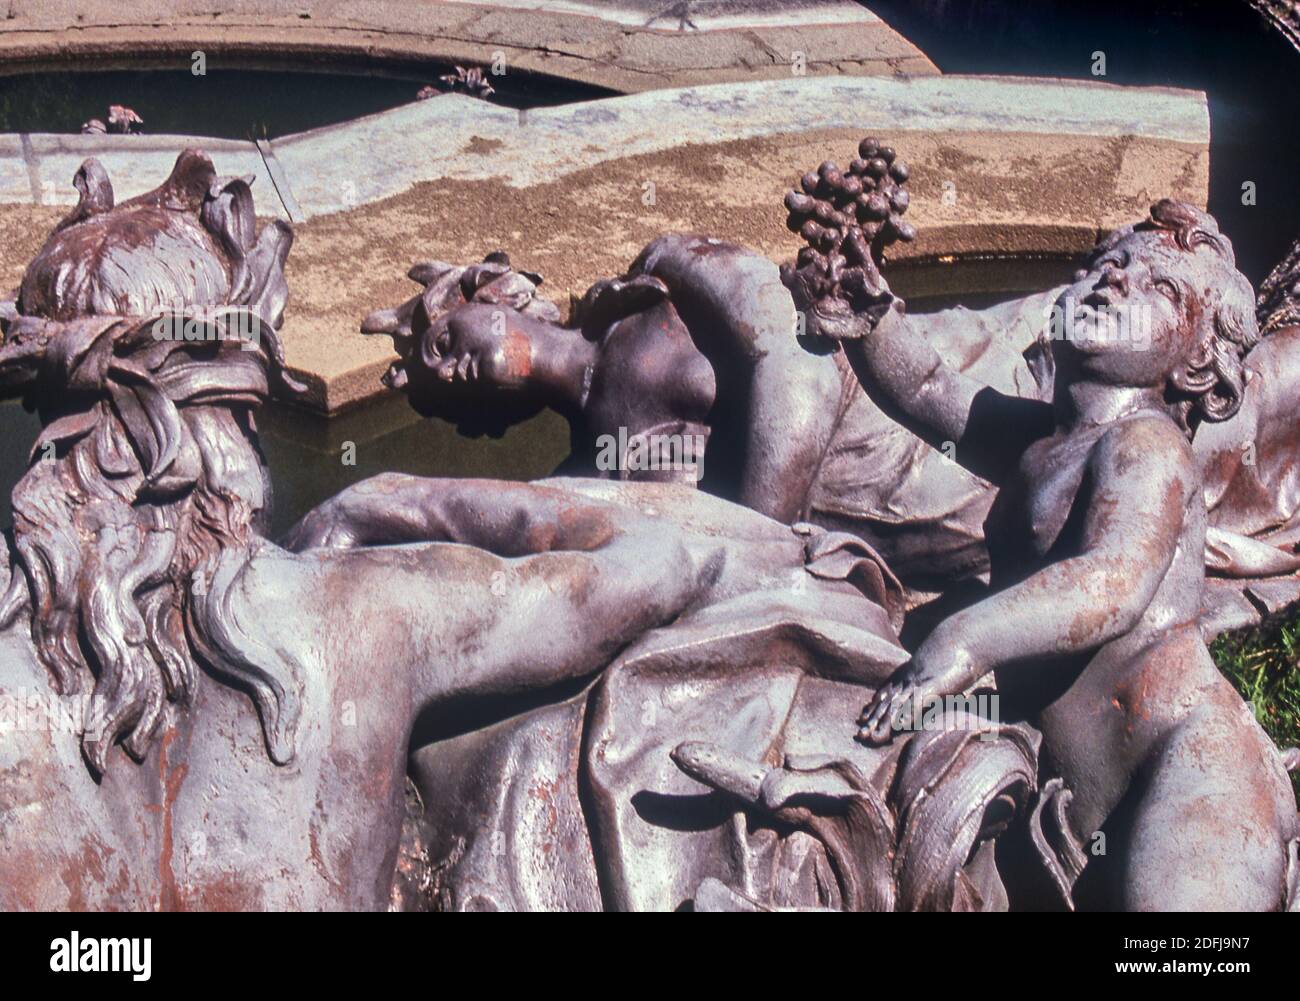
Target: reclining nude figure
1096 542
693 346
194 717
143 609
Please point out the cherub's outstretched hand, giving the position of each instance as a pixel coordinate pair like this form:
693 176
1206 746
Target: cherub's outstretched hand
896 707
935 671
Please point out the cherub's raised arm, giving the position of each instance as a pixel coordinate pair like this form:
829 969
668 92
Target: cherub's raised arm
849 219
984 430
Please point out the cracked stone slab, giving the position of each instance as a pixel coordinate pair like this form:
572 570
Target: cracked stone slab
626 46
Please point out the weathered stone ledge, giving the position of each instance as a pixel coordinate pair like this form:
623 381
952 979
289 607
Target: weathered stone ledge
622 46
1002 167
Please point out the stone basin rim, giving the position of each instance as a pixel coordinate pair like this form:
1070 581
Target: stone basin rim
302 174
741 111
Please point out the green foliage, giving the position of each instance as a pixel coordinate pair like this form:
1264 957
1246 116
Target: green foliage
1264 665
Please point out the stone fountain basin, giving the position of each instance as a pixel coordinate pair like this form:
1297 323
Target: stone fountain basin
1025 169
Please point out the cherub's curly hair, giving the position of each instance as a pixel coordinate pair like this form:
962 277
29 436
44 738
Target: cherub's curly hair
1211 386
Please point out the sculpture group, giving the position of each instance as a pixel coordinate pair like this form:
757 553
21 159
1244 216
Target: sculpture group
922 628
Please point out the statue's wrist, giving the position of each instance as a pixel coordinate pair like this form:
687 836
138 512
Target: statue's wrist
857 321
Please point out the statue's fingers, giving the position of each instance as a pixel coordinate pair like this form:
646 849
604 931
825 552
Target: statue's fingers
879 708
874 735
872 708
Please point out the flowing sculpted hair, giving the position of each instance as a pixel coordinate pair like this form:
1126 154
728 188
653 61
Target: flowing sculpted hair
147 471
1211 386
144 334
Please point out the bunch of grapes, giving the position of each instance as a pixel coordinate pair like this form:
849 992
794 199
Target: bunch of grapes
849 217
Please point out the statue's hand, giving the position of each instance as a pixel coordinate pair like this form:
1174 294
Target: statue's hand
844 307
896 707
900 704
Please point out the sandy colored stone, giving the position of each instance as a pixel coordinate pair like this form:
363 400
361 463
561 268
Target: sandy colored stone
1016 196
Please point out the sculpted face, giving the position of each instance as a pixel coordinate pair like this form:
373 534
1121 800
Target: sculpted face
466 357
1135 315
483 344
468 340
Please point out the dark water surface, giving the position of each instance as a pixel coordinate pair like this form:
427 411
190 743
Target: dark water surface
239 103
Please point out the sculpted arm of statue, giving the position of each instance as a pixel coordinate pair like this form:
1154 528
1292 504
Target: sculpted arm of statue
1144 477
777 400
550 586
984 430
509 519
512 625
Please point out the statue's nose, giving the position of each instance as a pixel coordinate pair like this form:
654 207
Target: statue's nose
1113 277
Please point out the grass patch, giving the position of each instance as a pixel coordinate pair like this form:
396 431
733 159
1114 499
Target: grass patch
1263 664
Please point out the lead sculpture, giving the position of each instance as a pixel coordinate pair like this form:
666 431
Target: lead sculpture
694 342
587 693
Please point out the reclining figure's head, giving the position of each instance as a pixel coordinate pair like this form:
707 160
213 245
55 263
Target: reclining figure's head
192 241
420 326
147 469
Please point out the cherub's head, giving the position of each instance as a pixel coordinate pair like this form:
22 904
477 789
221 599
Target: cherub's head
1161 304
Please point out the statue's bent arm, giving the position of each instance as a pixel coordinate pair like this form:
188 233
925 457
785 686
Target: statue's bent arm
1143 479
509 519
541 586
741 317
540 620
982 429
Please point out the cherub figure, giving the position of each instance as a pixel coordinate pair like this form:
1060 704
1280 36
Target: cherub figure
1096 544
